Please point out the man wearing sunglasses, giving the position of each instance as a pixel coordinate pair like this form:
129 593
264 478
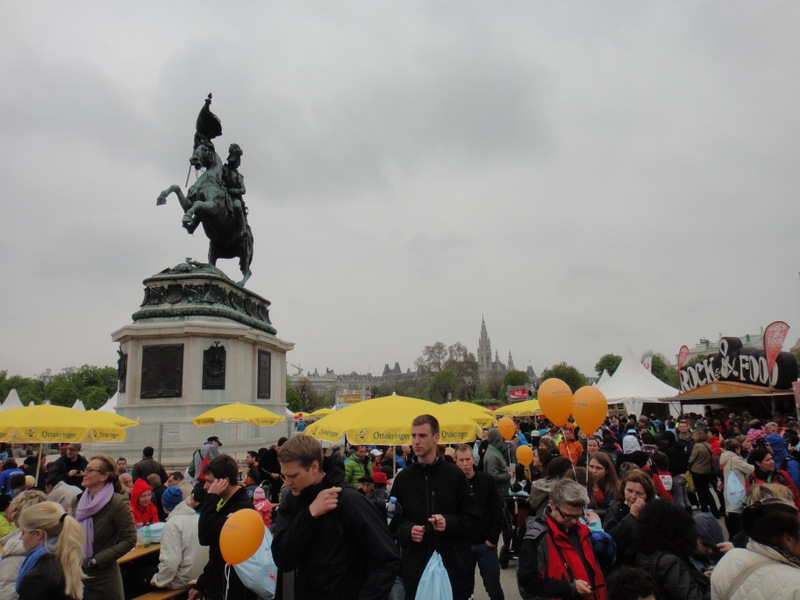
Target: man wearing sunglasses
556 559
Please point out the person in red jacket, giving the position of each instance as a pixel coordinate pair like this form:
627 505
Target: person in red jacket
556 559
142 507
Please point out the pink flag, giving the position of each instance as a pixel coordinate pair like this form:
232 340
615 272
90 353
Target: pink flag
683 354
647 363
774 335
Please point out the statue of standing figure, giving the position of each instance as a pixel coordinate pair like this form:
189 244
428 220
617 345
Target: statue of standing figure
215 199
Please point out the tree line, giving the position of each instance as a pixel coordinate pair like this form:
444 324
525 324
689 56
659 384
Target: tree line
90 384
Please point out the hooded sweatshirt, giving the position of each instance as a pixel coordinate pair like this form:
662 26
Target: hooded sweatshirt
782 459
147 515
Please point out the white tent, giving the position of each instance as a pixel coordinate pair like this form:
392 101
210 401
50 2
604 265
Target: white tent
604 377
111 404
12 401
79 405
633 385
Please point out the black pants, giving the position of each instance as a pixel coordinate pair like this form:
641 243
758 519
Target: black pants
702 485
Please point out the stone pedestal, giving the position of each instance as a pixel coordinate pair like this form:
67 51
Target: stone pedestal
198 341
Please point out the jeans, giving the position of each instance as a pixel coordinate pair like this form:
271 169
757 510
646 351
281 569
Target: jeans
679 496
489 567
702 483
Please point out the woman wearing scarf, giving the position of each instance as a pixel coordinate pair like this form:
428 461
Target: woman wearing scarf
765 472
52 567
770 566
109 533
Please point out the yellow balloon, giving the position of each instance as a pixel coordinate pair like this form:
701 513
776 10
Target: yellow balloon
555 400
241 536
506 427
524 455
589 409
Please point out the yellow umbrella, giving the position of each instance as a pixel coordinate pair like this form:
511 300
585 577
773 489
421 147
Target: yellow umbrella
319 413
45 423
482 416
387 421
529 408
106 418
238 413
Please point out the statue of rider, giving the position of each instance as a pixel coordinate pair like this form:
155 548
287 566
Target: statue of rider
234 183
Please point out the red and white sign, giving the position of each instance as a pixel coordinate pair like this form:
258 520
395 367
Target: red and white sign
647 363
774 335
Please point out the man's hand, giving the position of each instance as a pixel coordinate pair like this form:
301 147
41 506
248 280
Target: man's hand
438 522
417 532
194 594
219 486
581 586
490 544
325 502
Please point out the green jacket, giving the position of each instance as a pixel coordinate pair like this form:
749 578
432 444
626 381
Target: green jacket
355 468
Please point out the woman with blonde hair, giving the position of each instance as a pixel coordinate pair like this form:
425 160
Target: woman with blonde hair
13 550
52 568
109 532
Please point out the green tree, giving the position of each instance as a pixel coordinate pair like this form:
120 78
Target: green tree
608 363
443 386
566 373
513 379
432 359
307 395
462 362
662 370
292 398
94 397
62 392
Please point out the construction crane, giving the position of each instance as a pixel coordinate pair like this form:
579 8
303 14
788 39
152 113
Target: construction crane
298 367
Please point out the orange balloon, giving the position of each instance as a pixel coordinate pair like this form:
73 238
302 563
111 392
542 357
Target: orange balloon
506 427
241 536
524 455
555 400
589 409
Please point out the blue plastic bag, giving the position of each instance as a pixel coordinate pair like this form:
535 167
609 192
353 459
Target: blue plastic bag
734 492
434 583
259 573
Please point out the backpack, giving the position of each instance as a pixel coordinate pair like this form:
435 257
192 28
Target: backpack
191 470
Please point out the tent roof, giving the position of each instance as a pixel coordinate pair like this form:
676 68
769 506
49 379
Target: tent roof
633 382
12 401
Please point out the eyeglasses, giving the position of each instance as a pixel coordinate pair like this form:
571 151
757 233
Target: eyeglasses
90 470
569 517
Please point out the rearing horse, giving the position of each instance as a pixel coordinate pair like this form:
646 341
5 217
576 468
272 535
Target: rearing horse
208 202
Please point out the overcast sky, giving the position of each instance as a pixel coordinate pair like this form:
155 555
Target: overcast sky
586 175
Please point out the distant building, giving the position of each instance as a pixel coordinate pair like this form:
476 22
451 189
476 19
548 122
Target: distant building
706 347
487 368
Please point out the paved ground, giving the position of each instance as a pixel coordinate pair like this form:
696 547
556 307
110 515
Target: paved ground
508 579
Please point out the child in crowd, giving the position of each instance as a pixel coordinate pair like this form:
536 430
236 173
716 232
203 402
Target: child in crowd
142 507
263 506
6 526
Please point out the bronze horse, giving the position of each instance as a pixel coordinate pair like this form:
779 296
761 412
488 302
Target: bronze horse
208 202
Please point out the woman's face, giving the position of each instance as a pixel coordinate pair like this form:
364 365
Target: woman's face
598 470
536 461
31 539
93 475
634 491
747 445
592 446
144 499
767 465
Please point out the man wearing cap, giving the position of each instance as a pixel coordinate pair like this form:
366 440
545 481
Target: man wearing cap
357 466
182 558
207 452
69 466
329 534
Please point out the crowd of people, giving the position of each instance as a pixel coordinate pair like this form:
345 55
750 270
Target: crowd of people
691 508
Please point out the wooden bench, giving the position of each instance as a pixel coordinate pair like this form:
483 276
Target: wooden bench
164 594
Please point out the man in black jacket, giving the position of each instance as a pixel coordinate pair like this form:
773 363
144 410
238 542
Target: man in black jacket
331 535
438 513
225 497
69 466
484 540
